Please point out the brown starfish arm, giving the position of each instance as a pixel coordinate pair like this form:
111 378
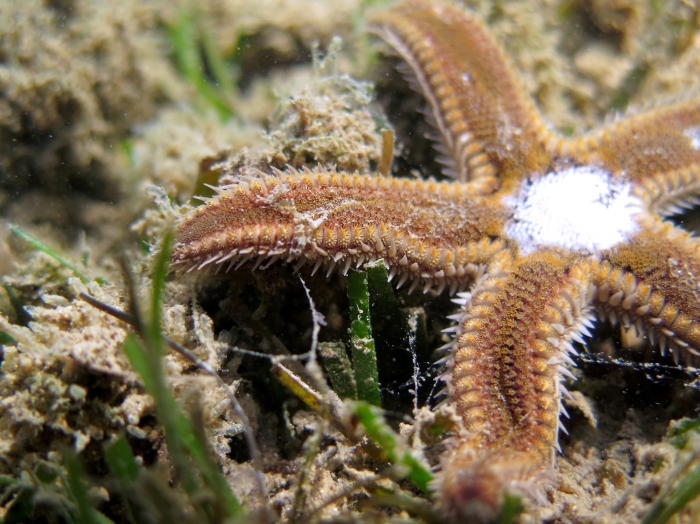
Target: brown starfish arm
659 152
504 377
652 283
489 127
433 232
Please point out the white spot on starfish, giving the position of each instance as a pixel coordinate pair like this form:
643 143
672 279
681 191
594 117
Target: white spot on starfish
694 134
580 208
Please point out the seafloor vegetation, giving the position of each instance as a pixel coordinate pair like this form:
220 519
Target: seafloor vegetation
113 115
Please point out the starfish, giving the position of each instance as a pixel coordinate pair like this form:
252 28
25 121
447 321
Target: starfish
542 230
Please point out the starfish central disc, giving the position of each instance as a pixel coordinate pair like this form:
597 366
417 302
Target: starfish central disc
579 208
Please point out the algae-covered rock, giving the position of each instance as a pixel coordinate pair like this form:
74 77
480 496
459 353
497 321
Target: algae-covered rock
74 78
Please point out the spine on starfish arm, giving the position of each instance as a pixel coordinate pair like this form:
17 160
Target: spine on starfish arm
341 220
508 358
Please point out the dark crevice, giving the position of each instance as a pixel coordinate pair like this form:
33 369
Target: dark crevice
406 110
268 50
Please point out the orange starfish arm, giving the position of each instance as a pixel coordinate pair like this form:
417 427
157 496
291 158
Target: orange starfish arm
433 232
652 283
507 360
659 152
490 129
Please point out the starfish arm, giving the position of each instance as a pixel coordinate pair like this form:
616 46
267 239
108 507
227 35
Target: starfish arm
651 282
508 358
428 231
489 127
659 152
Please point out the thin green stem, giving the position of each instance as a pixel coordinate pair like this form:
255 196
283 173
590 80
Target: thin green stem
364 355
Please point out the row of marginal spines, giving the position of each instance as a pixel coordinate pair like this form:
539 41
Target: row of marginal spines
402 252
260 183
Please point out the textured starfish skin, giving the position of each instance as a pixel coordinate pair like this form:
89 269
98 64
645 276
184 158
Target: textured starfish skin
530 297
425 230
